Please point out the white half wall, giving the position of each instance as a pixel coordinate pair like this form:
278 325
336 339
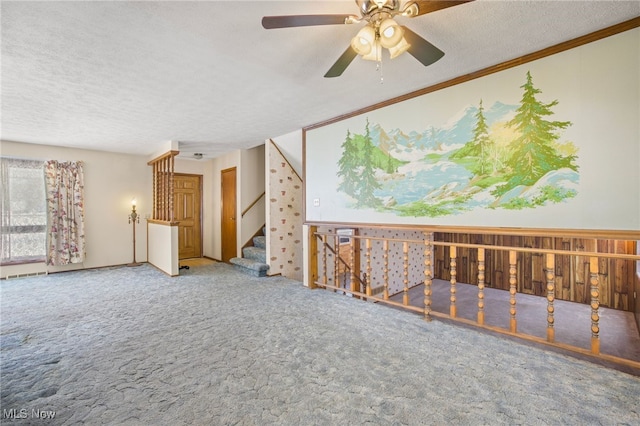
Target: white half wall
160 237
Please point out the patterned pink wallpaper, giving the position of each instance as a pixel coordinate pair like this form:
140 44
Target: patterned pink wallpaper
285 209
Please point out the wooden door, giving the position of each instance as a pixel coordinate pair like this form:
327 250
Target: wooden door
229 236
187 211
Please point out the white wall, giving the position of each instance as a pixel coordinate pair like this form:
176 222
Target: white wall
249 166
252 186
290 145
111 181
162 237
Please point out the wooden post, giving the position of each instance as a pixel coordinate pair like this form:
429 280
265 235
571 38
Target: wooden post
452 299
512 290
312 273
385 270
324 260
154 167
595 305
551 292
171 189
336 261
367 281
405 273
352 276
481 286
428 280
165 189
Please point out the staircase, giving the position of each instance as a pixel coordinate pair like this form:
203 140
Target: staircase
254 258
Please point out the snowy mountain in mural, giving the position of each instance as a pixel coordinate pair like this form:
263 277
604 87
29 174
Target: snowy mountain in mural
504 156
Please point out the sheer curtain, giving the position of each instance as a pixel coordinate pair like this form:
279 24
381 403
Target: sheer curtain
65 212
22 210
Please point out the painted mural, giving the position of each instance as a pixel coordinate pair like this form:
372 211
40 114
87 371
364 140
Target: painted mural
498 156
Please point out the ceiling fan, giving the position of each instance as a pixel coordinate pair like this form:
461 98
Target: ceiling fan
380 31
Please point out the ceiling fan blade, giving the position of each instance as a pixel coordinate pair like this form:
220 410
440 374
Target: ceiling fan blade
428 6
270 22
421 49
342 63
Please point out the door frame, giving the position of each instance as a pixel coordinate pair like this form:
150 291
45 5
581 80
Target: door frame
201 212
233 169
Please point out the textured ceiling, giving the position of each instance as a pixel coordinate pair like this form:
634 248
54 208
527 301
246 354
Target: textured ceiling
130 76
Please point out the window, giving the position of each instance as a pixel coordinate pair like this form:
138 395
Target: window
22 211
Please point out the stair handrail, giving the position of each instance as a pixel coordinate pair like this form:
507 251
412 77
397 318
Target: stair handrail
245 211
347 266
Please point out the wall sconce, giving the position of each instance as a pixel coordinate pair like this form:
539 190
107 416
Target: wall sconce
134 218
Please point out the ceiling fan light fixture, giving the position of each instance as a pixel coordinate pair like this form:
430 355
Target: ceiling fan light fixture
390 33
399 48
363 42
376 52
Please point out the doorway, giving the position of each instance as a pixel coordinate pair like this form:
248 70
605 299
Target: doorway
229 231
187 211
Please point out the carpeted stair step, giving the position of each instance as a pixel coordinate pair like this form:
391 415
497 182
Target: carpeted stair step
260 242
251 267
255 253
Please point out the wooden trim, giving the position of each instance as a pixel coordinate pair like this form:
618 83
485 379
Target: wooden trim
163 156
285 159
163 222
245 211
561 47
552 50
304 174
615 234
497 248
312 271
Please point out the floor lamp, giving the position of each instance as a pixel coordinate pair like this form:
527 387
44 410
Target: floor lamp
134 218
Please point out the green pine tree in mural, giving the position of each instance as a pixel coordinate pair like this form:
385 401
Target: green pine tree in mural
367 180
479 148
391 167
348 166
482 140
534 152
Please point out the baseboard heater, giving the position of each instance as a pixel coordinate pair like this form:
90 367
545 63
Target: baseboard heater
26 274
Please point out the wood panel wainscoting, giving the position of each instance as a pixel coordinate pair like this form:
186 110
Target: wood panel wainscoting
545 271
615 276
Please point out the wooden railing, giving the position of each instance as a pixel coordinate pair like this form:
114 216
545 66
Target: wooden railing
253 203
324 273
163 171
